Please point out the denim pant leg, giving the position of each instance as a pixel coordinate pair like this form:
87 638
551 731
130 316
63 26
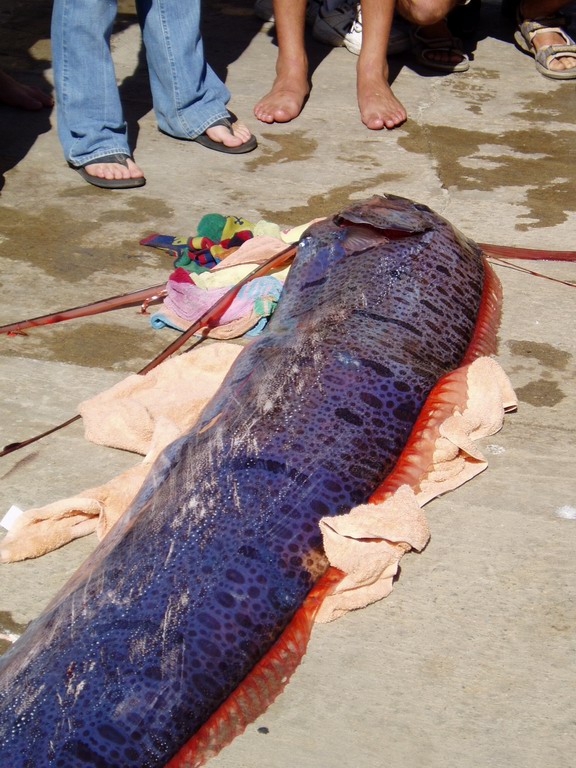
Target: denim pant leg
188 95
90 119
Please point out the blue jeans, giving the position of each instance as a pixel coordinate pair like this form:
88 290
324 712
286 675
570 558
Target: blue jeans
187 94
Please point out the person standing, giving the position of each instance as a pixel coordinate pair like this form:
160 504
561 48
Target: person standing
189 99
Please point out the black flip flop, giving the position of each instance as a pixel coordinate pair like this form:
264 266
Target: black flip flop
218 146
108 183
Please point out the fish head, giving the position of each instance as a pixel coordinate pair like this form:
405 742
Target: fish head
396 216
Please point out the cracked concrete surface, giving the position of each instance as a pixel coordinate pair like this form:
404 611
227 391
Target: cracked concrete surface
471 661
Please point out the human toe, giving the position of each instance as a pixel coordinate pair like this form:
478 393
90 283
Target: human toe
112 171
234 136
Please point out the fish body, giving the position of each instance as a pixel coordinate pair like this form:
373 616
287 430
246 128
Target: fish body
201 576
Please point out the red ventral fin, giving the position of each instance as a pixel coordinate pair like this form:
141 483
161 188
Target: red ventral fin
448 394
259 689
509 252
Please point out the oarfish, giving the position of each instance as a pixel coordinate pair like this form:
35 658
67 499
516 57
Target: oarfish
198 591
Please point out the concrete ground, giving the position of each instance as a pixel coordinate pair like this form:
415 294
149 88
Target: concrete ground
470 662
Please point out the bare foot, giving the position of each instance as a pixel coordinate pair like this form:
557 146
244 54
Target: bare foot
114 170
220 133
286 98
561 62
379 108
16 94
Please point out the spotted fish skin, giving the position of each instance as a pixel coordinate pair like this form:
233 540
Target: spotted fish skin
203 573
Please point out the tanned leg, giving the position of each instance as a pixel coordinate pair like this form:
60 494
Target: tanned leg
379 108
430 15
286 98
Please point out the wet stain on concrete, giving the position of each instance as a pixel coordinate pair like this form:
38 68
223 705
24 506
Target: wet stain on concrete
290 147
92 345
481 73
544 391
472 160
548 107
58 231
332 201
540 393
474 90
559 617
546 354
10 631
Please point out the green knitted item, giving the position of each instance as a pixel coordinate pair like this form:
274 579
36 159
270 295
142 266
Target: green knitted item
211 226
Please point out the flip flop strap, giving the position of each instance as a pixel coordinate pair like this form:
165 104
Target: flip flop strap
121 159
225 121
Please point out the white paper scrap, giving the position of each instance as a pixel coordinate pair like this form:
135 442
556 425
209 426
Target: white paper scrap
10 517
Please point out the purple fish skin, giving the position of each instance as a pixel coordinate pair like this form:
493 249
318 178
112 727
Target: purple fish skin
220 548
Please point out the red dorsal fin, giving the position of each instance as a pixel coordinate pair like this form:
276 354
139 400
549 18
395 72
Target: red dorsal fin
260 687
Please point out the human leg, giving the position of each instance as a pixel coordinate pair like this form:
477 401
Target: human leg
90 120
286 98
189 98
433 43
379 108
541 34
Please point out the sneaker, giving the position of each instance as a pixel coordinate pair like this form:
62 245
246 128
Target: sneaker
398 42
353 40
331 27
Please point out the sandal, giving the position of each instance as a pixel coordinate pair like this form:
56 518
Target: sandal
423 46
524 38
109 183
205 141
